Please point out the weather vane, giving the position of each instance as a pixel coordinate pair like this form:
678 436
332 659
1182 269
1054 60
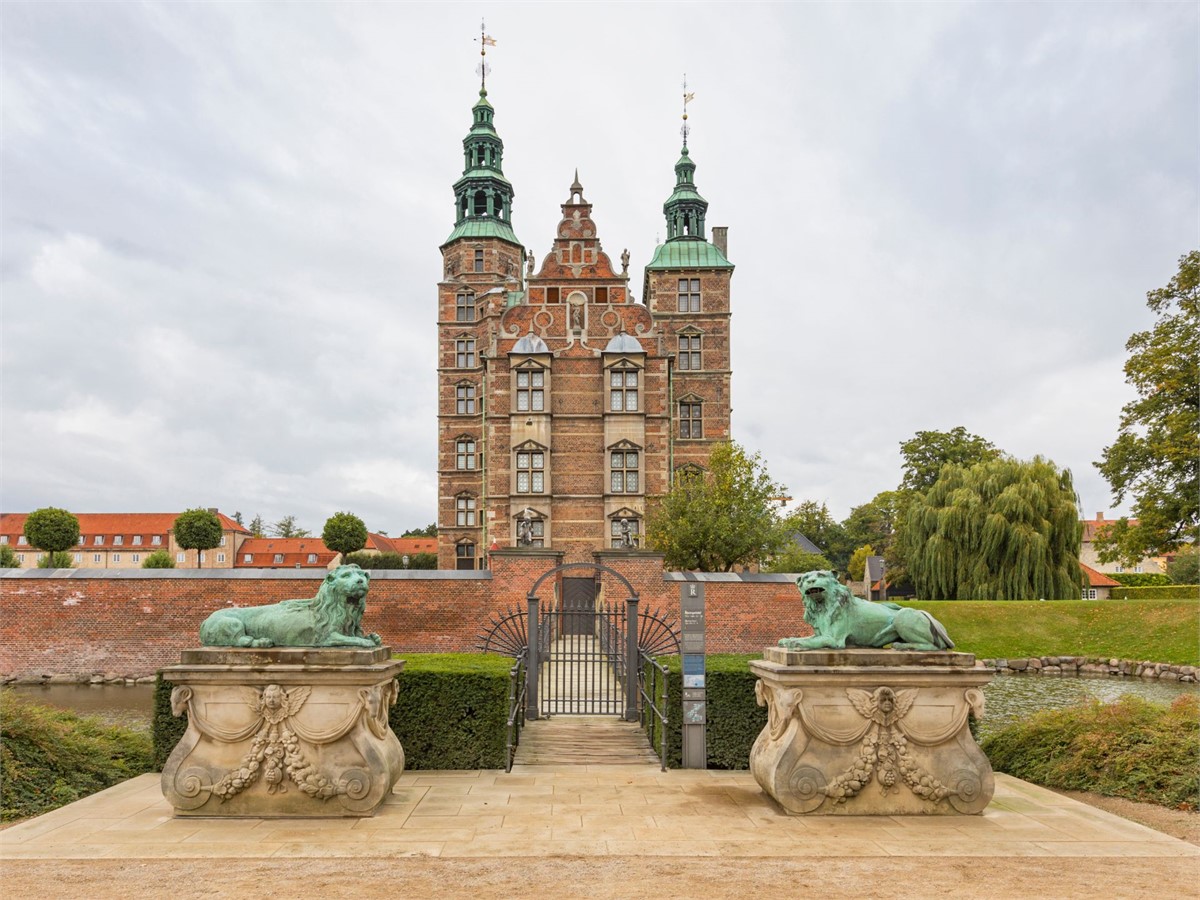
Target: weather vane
687 98
482 70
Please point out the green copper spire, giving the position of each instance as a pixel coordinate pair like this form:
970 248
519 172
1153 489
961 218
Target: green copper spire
685 208
483 196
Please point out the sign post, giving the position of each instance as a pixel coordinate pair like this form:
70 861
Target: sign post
695 716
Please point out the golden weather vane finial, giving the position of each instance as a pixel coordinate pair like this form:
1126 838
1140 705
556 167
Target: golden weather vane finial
485 41
687 98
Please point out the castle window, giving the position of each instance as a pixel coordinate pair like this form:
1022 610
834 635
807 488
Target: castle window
623 390
624 477
601 295
617 531
464 353
464 510
531 394
551 295
464 399
464 555
690 418
689 352
464 307
531 471
479 257
464 453
689 295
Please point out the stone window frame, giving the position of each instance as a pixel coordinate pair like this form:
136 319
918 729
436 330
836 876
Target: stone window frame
689 350
635 519
531 449
478 259
466 351
466 508
624 471
534 395
464 306
466 455
465 549
466 394
690 412
626 368
687 295
540 530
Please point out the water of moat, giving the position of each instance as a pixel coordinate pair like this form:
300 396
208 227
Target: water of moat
1010 698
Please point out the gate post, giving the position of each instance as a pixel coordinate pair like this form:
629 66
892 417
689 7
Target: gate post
532 661
633 660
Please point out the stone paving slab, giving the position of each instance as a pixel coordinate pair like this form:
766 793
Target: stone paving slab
593 811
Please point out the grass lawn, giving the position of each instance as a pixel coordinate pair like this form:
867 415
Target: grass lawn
1156 630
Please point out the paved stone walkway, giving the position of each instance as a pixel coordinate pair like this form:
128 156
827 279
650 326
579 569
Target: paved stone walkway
591 811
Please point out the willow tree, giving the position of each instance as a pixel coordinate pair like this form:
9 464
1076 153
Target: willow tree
999 530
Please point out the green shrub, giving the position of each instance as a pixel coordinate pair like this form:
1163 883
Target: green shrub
8 558
734 718
51 757
452 712
59 559
1157 592
159 559
1139 579
392 560
1185 567
1132 748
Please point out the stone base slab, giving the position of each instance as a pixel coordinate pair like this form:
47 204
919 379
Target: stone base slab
283 732
871 732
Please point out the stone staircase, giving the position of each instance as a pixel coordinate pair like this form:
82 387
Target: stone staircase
582 741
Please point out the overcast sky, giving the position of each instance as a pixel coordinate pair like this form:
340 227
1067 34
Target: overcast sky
221 225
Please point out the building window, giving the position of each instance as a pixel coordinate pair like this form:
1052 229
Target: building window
222 544
623 390
116 557
82 540
478 260
136 558
3 538
220 557
689 295
156 540
278 558
118 540
552 295
203 556
464 396
531 394
78 557
464 453
689 352
690 419
1089 594
1137 568
464 308
464 510
624 479
137 540
464 555
248 558
21 557
464 353
617 530
531 472
1118 569
537 532
312 558
99 540
178 557
602 295
96 557
21 541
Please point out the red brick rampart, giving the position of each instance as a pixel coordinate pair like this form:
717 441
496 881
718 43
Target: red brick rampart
131 623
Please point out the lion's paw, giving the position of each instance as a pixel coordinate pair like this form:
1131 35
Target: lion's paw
262 642
375 639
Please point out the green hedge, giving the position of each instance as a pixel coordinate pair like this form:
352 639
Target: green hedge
451 713
1139 579
1157 592
734 719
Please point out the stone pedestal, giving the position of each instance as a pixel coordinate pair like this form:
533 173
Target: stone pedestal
871 732
283 732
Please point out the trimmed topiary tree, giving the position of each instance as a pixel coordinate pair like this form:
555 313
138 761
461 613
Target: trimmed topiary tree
198 529
52 530
8 558
344 533
159 559
59 559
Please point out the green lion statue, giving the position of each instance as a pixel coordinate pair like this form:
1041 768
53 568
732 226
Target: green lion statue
842 620
333 618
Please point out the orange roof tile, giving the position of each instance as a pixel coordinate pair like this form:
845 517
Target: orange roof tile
91 524
1098 579
291 552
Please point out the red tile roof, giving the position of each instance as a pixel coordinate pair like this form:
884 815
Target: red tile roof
413 546
1098 579
292 552
111 524
1092 526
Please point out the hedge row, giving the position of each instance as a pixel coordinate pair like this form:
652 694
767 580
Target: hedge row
1139 579
1157 592
451 712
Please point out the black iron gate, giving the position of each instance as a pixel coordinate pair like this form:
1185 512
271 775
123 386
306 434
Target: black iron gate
582 658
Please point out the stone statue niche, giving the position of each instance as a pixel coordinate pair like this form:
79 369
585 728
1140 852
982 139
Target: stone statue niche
287 710
855 729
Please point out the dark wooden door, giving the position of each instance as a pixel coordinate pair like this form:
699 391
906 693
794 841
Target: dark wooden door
578 606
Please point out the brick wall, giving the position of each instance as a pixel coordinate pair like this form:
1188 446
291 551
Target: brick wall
133 623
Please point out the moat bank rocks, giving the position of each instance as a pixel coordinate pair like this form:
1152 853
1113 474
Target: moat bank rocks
1090 666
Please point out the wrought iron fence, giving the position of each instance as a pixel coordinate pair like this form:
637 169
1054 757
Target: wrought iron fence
516 707
652 678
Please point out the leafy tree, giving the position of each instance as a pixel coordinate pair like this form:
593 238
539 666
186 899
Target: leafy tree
8 558
857 569
199 530
423 561
715 520
814 521
928 451
875 521
794 559
59 559
1156 456
344 533
287 528
237 517
159 559
393 560
1000 530
1185 567
429 530
52 530
256 526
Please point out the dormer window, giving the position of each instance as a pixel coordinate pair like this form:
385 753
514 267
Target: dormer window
99 540
118 540
278 558
312 558
137 540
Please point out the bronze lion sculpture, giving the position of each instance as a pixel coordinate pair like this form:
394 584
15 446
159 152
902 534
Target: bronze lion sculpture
333 618
842 620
